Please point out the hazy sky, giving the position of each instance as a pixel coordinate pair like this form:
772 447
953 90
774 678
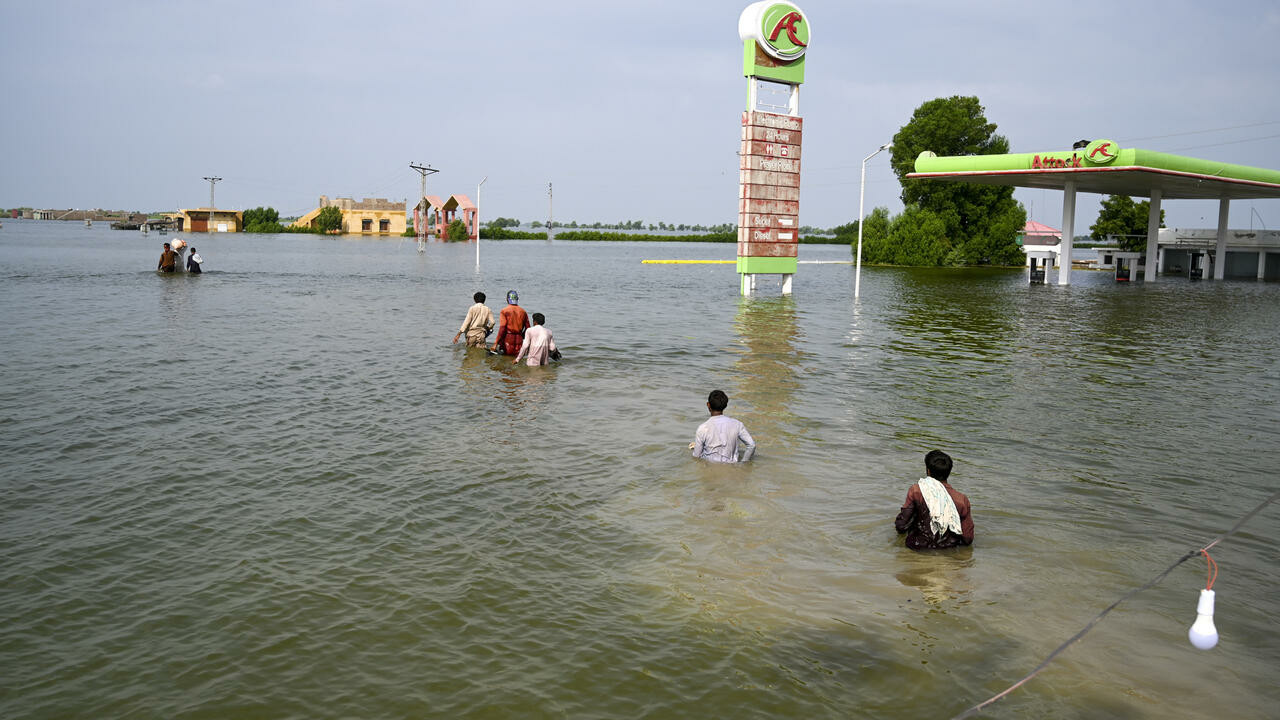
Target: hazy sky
631 110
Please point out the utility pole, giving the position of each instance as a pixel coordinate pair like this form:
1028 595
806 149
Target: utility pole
550 222
420 226
212 181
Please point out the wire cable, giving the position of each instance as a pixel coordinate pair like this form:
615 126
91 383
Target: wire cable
1098 618
1211 570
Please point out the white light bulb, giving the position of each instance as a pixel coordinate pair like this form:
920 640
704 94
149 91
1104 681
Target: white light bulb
1202 633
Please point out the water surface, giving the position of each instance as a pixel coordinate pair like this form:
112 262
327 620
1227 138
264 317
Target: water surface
277 490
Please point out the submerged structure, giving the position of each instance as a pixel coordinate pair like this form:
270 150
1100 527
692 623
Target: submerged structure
371 216
775 36
1102 166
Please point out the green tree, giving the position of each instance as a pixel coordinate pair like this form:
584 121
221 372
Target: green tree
329 220
875 237
262 220
456 230
985 216
917 238
1127 220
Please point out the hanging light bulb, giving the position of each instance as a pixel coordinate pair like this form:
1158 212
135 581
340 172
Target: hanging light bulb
1202 633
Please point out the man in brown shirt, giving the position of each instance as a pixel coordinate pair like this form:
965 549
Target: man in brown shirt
945 526
478 323
168 260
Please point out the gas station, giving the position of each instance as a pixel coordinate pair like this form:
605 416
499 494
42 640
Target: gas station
1102 167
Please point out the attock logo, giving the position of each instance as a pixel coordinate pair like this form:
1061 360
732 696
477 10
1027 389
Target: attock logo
788 22
1101 152
780 28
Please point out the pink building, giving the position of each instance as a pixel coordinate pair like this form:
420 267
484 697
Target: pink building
439 213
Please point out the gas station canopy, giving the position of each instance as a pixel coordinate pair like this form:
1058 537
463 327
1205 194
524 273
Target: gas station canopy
1105 169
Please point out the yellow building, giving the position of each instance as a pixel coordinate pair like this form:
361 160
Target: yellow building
374 216
204 220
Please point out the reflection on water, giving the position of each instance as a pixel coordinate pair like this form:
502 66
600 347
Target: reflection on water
942 577
765 371
949 314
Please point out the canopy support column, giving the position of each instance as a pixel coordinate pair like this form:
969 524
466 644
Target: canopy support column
1153 237
1220 254
1068 231
1262 264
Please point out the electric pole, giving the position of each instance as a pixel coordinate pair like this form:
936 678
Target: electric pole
212 181
420 227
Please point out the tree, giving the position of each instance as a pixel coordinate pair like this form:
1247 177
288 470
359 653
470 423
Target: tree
262 220
329 220
985 215
917 238
875 237
457 230
1127 220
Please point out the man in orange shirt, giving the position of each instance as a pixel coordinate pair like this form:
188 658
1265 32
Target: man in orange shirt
512 322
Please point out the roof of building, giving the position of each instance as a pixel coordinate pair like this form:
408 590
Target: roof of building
1037 230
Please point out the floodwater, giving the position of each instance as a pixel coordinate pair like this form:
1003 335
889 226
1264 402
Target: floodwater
277 490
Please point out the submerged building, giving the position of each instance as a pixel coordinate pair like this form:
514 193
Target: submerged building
371 216
206 220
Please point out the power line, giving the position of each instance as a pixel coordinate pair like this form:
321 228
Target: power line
1229 142
1198 132
1098 618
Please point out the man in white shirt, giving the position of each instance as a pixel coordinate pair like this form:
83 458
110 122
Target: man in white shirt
538 343
718 438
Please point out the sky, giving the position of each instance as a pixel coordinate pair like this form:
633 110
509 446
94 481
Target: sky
631 111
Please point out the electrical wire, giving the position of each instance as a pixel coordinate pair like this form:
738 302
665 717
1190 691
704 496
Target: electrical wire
1211 568
1199 132
1098 618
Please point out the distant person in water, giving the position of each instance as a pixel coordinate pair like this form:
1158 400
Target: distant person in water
935 514
168 259
477 324
538 344
718 438
193 262
512 322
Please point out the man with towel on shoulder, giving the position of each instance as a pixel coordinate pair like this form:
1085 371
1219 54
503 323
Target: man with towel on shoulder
935 514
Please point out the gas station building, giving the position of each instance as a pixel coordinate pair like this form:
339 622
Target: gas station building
1103 167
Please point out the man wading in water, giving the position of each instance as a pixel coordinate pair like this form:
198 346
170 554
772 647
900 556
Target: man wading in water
478 323
935 514
168 259
512 321
718 438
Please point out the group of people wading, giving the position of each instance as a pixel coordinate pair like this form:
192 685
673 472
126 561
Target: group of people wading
934 515
518 335
171 258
